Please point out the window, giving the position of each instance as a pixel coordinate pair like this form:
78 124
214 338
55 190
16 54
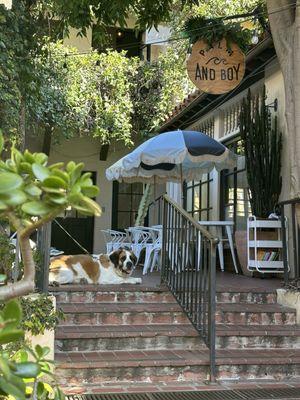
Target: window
119 39
197 198
126 201
235 203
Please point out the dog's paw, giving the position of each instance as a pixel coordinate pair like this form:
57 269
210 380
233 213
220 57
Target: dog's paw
138 280
54 283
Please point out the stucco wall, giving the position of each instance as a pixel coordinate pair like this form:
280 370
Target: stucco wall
87 150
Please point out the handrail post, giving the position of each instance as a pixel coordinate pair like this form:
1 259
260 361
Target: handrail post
164 234
284 247
212 310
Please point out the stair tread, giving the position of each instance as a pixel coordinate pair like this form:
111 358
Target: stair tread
115 331
257 330
248 307
136 358
119 307
108 288
151 330
166 307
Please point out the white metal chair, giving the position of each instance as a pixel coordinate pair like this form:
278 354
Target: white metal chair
115 239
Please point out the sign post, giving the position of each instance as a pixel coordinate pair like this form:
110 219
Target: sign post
217 69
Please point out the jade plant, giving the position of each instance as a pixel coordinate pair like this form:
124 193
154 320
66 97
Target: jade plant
22 373
32 193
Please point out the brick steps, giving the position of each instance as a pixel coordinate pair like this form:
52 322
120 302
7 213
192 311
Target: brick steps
171 313
254 314
258 336
131 335
112 337
154 366
126 337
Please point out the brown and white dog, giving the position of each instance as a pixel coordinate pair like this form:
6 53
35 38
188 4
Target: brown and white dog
113 268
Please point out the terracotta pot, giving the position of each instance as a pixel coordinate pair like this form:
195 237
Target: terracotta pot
241 249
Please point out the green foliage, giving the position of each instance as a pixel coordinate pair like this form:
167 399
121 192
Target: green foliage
263 145
32 188
20 377
158 87
214 30
83 14
39 314
7 255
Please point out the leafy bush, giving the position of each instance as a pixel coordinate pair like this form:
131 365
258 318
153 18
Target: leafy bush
20 377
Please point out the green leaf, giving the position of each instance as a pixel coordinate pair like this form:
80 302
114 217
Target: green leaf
41 158
36 208
12 389
11 335
53 190
70 166
92 205
75 173
56 165
90 191
40 172
13 198
28 157
2 278
27 370
1 142
56 198
9 181
39 351
32 190
13 312
3 206
54 182
61 174
5 368
25 168
16 156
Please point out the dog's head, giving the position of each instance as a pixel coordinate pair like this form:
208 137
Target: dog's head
124 260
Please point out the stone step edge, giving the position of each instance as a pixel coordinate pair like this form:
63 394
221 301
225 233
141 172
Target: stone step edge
223 307
180 330
108 289
243 360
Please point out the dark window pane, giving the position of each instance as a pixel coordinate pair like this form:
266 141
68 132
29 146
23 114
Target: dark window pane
124 188
136 199
123 220
124 202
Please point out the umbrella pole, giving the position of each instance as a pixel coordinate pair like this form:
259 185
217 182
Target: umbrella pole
154 194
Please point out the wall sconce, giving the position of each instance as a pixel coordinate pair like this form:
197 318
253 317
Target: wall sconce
274 105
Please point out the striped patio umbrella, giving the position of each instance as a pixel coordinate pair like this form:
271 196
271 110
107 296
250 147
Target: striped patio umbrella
172 157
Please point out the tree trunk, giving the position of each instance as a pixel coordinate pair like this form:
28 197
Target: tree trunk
285 26
47 140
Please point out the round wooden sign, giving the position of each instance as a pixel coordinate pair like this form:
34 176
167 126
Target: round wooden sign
217 69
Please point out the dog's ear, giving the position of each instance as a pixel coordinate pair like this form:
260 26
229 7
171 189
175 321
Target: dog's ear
114 257
133 258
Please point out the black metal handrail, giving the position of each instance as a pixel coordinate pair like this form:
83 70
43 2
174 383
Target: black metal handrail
189 270
282 208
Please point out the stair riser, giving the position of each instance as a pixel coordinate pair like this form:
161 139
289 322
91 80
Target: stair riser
256 342
136 318
255 318
114 297
157 374
134 343
252 298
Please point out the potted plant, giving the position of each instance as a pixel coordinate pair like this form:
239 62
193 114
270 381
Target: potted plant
262 145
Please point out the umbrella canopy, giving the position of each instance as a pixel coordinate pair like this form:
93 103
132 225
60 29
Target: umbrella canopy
172 156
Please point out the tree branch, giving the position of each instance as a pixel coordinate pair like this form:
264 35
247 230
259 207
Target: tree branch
27 284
